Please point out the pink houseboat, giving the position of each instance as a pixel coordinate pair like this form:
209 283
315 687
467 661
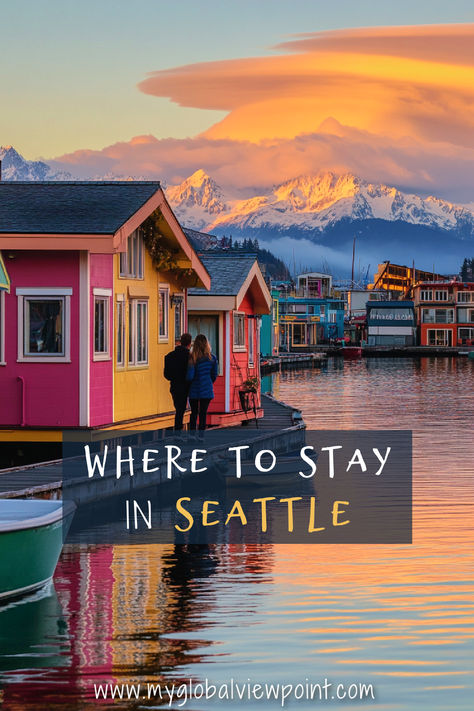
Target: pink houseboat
91 310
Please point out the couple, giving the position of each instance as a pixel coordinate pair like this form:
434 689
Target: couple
191 374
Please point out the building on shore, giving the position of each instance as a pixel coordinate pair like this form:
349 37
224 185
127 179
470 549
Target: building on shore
270 328
305 322
314 284
391 323
229 314
398 279
444 313
99 275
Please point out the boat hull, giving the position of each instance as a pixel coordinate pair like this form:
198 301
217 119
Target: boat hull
29 556
352 352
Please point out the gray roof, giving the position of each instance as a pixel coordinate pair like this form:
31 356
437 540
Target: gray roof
71 207
227 271
200 240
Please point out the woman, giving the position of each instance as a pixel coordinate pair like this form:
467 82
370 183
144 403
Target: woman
202 372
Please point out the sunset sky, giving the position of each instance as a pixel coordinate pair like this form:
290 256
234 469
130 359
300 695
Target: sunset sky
253 92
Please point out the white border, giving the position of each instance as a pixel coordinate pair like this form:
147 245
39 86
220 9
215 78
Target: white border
237 348
165 338
102 295
48 293
132 323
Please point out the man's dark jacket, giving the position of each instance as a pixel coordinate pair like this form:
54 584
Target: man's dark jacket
176 366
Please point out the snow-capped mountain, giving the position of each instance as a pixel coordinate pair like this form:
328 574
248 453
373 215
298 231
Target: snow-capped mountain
15 167
198 199
311 203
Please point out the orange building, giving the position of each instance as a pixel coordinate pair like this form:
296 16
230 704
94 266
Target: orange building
445 313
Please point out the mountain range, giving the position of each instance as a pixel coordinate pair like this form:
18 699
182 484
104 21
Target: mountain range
325 209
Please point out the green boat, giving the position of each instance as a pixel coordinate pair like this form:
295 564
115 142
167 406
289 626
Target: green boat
31 538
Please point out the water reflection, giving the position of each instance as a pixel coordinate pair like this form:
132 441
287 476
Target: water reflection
400 617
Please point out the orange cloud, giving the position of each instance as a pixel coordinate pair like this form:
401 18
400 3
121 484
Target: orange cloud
402 81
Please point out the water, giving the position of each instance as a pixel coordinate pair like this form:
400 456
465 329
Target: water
399 617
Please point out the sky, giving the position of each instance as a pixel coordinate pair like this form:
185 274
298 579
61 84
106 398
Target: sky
253 92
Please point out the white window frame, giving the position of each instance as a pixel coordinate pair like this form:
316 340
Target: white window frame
120 335
105 296
181 296
164 289
468 297
131 262
133 361
466 328
53 293
238 347
426 294
251 341
2 327
445 331
441 295
434 309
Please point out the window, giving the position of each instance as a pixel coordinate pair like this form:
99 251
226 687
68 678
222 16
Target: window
299 334
332 317
2 327
465 315
120 330
439 337
322 311
163 312
251 329
131 261
426 295
138 332
101 324
239 331
178 317
466 335
464 297
438 316
441 295
298 308
44 324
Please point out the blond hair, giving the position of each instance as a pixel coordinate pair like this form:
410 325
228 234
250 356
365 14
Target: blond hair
201 348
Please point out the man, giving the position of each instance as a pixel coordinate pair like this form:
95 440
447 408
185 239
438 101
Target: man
176 366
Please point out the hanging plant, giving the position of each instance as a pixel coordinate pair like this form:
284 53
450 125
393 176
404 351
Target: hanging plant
164 258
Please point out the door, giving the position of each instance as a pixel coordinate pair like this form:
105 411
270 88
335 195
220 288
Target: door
207 325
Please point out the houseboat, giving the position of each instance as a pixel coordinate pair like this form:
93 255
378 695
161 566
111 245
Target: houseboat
229 314
391 323
98 278
445 312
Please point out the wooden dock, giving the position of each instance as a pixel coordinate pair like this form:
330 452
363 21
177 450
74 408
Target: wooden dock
401 351
292 361
280 429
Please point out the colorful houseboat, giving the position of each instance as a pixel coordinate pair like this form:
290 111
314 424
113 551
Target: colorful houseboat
445 313
307 321
391 323
228 315
99 273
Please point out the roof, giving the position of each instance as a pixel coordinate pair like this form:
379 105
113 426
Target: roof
228 273
60 207
200 240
